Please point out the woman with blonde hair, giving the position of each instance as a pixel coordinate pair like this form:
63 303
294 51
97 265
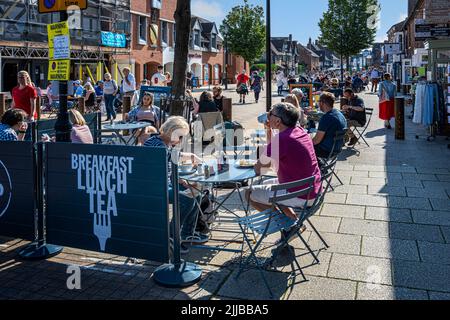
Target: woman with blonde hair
292 99
24 96
110 89
80 131
89 97
172 133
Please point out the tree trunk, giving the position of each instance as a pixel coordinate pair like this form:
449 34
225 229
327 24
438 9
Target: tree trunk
348 64
183 28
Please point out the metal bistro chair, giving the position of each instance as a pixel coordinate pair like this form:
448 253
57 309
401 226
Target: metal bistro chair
360 134
323 162
270 222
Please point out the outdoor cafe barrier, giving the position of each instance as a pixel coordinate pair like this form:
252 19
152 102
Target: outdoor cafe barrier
18 204
107 199
38 128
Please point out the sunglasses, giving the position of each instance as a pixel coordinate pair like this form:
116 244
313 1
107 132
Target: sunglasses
271 113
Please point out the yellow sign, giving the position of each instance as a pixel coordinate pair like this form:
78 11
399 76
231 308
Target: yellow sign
47 6
59 40
58 70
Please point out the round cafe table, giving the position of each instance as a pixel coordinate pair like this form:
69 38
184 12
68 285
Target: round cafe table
234 176
118 127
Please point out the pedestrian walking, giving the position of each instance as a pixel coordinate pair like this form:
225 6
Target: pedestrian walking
110 89
242 86
386 95
375 77
256 85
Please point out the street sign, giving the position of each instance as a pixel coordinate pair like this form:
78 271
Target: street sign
431 31
59 40
59 70
47 6
114 40
392 48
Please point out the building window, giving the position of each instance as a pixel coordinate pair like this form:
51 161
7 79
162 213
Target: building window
142 30
213 41
197 38
174 36
164 33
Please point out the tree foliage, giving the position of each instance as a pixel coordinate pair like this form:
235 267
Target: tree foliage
349 26
245 31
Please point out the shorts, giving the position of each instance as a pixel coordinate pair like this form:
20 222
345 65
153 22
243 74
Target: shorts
262 193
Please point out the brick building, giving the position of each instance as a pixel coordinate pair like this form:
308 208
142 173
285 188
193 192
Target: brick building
23 39
308 58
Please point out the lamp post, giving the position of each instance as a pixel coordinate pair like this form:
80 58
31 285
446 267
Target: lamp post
268 59
225 57
63 126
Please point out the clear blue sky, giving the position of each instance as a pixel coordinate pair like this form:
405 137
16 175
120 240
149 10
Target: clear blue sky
299 17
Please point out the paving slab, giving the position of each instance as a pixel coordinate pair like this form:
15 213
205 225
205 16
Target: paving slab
361 174
430 193
367 291
368 181
433 170
439 296
441 205
388 214
419 176
434 252
367 200
335 198
412 231
339 243
441 218
446 233
390 248
419 275
351 189
387 190
409 203
344 211
318 288
385 175
326 224
358 268
364 228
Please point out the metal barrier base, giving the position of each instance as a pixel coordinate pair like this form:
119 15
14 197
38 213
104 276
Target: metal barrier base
36 251
185 275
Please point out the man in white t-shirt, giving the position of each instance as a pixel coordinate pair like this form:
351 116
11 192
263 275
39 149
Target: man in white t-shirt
159 79
129 84
375 78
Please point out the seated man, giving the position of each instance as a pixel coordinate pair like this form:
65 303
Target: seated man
333 121
355 112
293 154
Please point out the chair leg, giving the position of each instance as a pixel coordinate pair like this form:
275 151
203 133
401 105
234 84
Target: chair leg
337 177
308 247
318 234
297 263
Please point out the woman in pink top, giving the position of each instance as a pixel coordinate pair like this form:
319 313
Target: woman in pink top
80 131
292 152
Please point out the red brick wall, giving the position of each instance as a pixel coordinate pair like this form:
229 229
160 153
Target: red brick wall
212 59
168 9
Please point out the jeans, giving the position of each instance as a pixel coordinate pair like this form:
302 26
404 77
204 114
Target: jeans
257 95
280 90
188 214
109 105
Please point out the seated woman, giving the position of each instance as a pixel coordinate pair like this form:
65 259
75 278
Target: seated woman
218 98
171 135
294 156
206 104
80 131
13 126
145 112
89 98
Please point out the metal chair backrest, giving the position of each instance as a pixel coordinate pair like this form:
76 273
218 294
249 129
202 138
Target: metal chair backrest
339 137
306 191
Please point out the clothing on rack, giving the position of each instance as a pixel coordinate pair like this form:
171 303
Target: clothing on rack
428 104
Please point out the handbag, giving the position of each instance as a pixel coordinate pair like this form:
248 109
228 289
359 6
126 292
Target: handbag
384 97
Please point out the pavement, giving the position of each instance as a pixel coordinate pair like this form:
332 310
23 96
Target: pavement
388 228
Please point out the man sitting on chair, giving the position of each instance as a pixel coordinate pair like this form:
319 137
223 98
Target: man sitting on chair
333 121
355 112
292 152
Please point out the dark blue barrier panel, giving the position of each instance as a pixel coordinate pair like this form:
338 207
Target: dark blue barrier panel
48 126
158 92
108 198
17 190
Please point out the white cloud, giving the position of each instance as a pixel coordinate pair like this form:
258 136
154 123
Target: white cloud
211 10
